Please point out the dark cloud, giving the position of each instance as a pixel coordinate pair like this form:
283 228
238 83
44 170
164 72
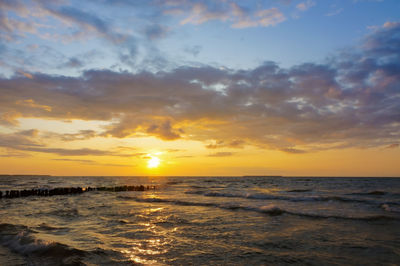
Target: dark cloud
69 152
237 143
294 151
81 17
73 62
384 42
19 140
350 101
27 141
28 133
81 135
164 131
155 31
87 22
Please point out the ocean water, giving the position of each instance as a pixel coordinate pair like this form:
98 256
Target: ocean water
203 221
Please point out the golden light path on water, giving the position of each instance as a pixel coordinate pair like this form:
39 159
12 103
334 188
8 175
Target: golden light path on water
156 246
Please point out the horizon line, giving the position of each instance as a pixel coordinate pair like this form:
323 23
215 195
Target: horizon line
203 176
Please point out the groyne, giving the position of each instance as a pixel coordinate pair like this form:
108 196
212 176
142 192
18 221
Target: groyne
48 192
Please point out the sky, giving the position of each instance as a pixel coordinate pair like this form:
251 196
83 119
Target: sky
190 87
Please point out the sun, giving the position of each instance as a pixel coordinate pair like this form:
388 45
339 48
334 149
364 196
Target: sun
153 162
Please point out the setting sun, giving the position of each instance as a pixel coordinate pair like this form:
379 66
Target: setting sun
153 162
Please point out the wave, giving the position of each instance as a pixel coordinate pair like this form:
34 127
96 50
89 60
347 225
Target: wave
271 210
67 213
263 196
173 182
299 190
370 193
19 239
390 208
46 227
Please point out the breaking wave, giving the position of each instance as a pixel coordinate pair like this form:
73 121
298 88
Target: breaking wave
19 239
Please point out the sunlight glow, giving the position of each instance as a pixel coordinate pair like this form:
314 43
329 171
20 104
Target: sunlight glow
153 162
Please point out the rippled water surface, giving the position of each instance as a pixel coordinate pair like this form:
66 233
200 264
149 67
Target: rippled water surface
203 221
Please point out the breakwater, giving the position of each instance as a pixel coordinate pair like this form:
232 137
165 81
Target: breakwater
45 192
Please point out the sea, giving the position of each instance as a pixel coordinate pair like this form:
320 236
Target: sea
250 220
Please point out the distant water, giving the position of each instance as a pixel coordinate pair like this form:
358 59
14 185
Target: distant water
203 221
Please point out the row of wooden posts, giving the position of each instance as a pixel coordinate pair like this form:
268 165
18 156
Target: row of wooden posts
44 192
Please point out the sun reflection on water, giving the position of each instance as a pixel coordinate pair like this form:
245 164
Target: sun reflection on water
143 251
146 251
131 255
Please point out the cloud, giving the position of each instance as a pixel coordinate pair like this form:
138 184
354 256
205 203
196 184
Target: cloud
264 18
20 18
72 62
184 156
58 22
19 140
393 146
125 46
384 41
81 135
87 22
269 17
69 152
391 24
193 50
224 11
27 75
13 154
75 160
237 143
82 161
163 131
9 118
335 12
155 31
352 100
174 150
304 6
200 13
129 125
221 154
28 133
29 103
24 141
11 28
292 150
